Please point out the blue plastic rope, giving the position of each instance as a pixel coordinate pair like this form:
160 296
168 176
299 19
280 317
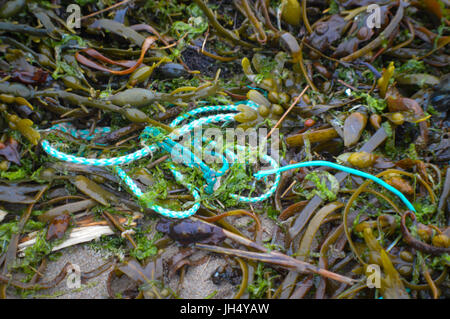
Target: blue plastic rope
84 134
182 154
349 170
177 151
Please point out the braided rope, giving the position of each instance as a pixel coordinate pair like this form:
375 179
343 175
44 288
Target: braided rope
122 160
176 150
83 134
179 152
159 209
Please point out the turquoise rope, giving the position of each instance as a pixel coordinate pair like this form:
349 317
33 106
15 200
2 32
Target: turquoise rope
168 145
349 170
185 156
189 159
159 209
84 134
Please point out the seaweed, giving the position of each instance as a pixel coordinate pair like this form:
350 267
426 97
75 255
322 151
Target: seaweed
314 76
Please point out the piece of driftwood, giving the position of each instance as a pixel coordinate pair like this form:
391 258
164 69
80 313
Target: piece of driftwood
2 214
77 236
